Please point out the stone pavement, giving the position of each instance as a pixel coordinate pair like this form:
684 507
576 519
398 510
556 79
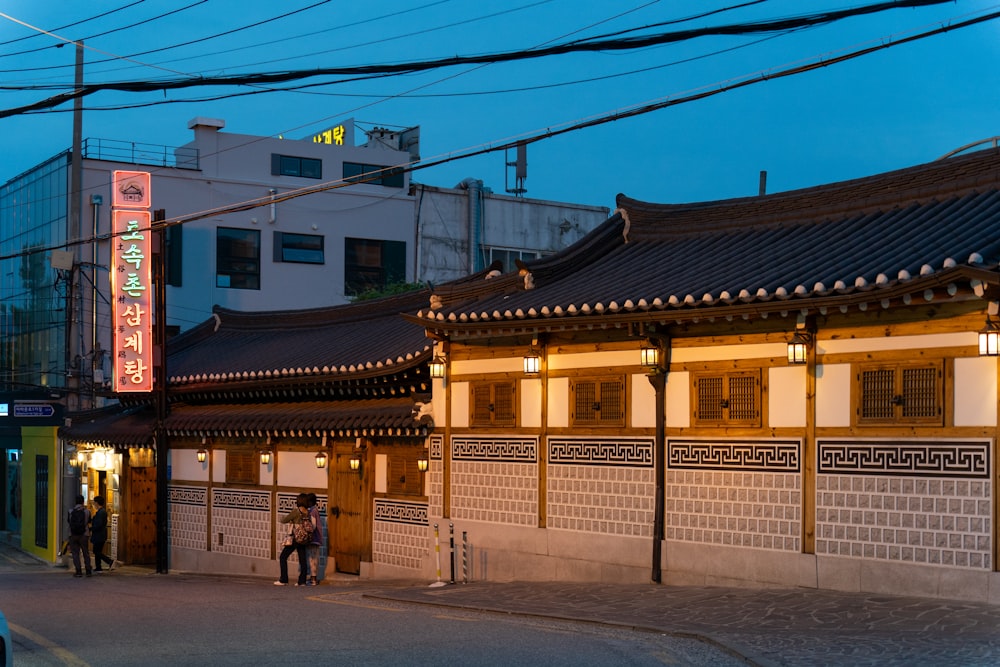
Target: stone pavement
765 626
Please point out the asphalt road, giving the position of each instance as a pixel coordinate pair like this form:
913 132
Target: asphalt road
133 616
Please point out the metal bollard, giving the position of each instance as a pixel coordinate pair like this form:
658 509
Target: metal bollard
451 529
437 553
465 557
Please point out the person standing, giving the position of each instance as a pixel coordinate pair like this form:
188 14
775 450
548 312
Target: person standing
99 535
290 545
79 533
317 541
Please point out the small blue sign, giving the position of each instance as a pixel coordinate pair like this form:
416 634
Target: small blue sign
34 410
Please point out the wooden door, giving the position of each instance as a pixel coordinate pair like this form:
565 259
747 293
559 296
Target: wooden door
350 521
141 530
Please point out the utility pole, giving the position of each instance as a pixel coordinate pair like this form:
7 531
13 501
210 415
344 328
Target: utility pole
74 321
160 392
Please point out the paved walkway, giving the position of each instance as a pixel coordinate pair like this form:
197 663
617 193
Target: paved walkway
766 627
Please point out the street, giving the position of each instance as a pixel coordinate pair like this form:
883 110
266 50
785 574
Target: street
133 616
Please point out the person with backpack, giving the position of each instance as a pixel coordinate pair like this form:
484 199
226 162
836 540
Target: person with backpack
316 542
79 533
99 535
298 537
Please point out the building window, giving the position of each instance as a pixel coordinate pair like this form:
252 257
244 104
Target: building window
372 265
373 174
41 501
900 393
598 401
289 165
507 256
237 258
404 478
174 240
299 248
726 399
242 467
493 404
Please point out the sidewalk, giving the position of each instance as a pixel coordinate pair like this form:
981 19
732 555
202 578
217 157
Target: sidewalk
765 626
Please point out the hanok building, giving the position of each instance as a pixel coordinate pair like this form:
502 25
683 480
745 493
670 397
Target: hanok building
262 407
795 389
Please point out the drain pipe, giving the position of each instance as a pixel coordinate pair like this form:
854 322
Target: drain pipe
474 186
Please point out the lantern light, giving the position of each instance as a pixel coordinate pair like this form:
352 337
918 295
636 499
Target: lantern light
989 339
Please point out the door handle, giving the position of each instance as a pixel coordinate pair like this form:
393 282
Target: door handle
335 511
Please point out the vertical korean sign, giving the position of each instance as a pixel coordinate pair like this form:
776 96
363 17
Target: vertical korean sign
131 283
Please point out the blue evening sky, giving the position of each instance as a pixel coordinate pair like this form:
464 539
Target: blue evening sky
891 109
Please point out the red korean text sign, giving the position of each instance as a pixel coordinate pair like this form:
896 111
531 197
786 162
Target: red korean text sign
131 291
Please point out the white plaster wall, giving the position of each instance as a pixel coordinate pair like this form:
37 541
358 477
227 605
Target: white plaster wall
218 466
976 391
381 473
787 396
678 396
681 355
460 404
559 362
184 466
643 402
558 402
833 395
267 471
531 403
884 343
298 470
512 364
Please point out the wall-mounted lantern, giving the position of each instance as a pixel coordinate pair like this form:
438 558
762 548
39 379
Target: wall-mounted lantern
321 460
989 339
422 465
798 348
202 455
437 366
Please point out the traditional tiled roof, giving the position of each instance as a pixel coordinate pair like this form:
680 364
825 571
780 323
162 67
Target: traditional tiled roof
347 371
889 238
355 340
394 417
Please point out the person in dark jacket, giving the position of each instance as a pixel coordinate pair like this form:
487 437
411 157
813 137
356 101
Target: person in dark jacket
99 535
79 522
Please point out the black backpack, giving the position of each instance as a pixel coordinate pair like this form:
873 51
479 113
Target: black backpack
77 521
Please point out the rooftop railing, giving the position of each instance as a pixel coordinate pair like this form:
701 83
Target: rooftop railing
133 152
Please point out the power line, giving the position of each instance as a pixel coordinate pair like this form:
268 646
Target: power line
75 23
602 119
616 44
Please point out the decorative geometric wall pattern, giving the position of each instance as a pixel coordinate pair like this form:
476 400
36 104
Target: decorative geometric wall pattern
435 476
188 517
605 499
436 447
523 450
751 509
741 455
901 501
400 535
601 451
923 458
241 522
397 511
